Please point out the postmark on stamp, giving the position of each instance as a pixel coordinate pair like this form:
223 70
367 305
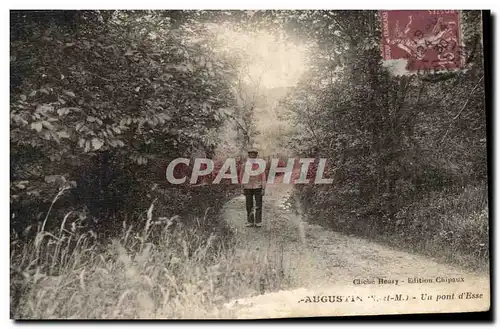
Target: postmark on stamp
425 39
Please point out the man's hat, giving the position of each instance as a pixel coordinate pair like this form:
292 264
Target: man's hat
252 150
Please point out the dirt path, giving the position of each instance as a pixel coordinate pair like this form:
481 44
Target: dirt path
319 262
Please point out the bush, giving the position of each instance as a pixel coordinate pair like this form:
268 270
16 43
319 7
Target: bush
449 224
96 107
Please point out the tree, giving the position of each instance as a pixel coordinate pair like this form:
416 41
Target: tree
389 136
97 105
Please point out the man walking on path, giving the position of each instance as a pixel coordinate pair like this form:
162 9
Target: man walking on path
253 188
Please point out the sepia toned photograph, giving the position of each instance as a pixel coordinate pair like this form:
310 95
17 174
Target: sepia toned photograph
248 164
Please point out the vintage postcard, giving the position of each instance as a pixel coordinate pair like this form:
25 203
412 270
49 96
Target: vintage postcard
248 164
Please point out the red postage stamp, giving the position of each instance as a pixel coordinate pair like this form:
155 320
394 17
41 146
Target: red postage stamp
427 39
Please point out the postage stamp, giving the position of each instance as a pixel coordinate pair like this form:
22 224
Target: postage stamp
426 39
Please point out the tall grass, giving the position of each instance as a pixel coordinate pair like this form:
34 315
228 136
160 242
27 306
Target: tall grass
167 270
451 225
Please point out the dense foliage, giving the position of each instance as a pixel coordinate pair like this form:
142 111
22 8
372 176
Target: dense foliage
392 139
101 102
